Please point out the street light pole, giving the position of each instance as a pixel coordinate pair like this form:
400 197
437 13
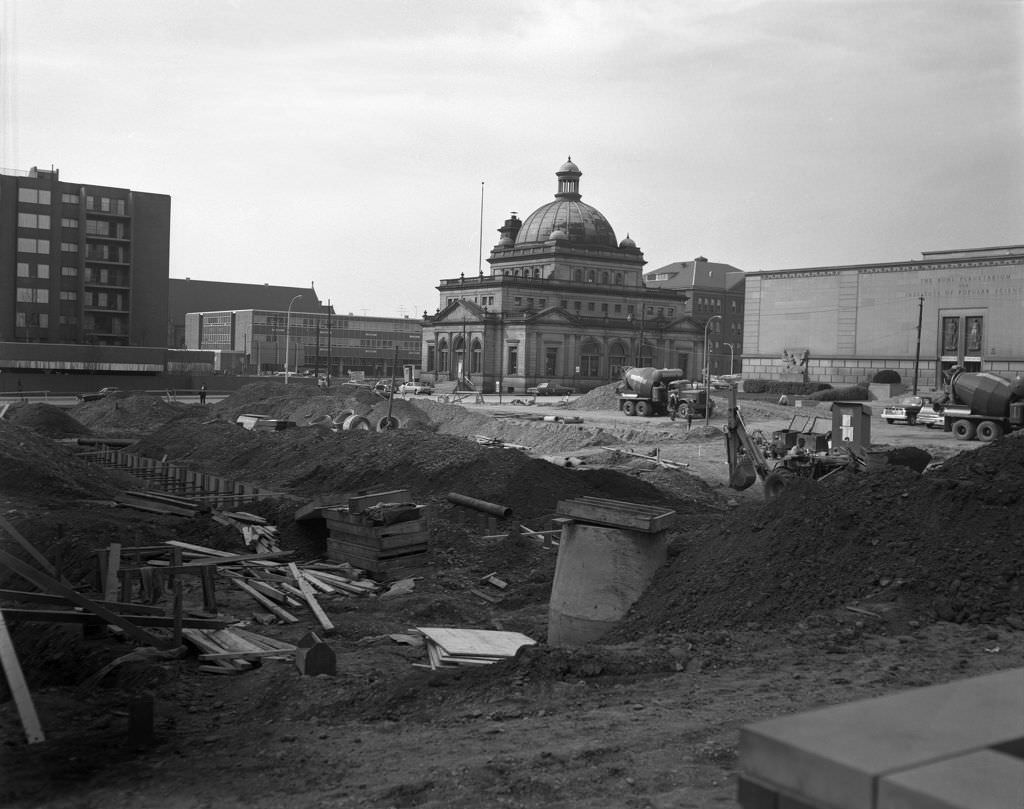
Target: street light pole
707 373
732 356
287 335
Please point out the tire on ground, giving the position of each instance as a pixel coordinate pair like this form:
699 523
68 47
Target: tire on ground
387 423
354 422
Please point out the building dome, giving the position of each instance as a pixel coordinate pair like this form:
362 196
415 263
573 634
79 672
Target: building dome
627 242
572 219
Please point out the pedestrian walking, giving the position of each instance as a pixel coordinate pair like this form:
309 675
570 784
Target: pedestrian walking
689 418
202 395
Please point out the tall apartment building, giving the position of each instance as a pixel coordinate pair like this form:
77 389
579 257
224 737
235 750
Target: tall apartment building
82 264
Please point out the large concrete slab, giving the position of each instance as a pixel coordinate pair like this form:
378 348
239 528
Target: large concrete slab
833 757
986 779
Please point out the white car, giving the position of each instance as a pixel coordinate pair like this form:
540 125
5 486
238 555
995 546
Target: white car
416 388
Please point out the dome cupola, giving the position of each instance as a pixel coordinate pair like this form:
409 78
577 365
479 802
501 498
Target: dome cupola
567 217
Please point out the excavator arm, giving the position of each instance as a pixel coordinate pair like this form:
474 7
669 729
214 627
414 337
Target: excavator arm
746 461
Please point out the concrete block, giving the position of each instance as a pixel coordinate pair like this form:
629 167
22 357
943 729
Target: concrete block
986 779
833 757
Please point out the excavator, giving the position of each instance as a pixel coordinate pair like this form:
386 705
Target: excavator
791 454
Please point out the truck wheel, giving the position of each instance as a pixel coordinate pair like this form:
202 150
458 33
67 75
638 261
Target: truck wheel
989 431
963 430
629 408
644 409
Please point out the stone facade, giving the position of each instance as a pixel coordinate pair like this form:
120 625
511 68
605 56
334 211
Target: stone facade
854 321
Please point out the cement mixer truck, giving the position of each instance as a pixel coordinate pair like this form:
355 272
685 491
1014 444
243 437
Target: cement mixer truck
981 405
660 392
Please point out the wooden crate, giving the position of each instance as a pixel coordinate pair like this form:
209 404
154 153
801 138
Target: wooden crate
379 549
376 562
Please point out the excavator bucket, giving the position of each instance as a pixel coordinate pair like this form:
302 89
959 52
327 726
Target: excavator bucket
742 474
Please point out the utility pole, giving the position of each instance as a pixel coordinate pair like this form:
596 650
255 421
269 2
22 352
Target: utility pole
917 355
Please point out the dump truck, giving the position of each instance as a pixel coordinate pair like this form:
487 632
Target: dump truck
660 392
980 405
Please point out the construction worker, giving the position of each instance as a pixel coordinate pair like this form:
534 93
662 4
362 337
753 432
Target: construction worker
673 404
202 395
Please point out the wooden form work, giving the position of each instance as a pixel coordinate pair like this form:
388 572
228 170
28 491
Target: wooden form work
959 746
357 536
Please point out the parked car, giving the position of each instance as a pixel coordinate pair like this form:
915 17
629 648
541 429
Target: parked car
929 416
417 388
102 393
908 410
550 389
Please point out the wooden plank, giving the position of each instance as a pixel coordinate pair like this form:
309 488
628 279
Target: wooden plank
476 642
78 617
361 502
384 544
51 585
617 514
262 641
280 612
345 587
111 585
307 592
238 558
28 547
364 529
251 654
46 598
178 594
365 557
19 688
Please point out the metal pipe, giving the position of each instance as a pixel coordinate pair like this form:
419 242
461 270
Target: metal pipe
480 505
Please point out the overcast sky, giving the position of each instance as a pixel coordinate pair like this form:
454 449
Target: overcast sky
343 143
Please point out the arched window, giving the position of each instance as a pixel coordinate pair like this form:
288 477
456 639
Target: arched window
590 358
604 278
442 355
536 272
431 352
618 359
459 354
590 276
577 275
476 357
618 278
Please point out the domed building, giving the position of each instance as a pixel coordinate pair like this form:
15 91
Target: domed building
564 301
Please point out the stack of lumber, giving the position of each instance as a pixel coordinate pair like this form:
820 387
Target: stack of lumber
232 651
281 586
256 533
384 533
451 647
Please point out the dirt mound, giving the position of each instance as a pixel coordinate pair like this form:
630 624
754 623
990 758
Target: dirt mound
311 463
602 398
36 465
128 414
902 546
48 420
